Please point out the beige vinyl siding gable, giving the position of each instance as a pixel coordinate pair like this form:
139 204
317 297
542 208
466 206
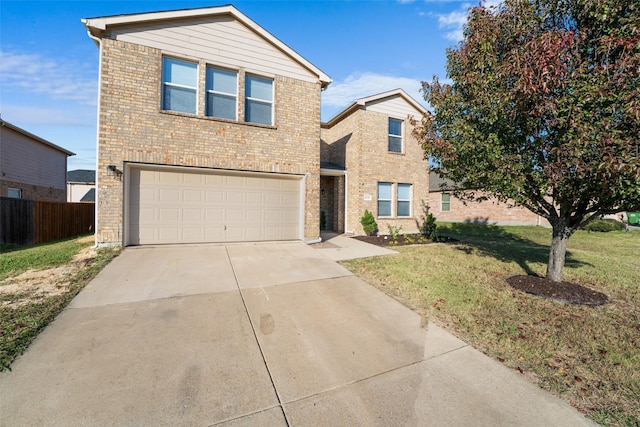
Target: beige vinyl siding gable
219 40
395 107
28 161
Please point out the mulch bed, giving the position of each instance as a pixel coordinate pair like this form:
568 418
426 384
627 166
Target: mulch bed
567 292
386 240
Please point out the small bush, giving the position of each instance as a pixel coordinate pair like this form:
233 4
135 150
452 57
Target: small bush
394 232
604 225
368 223
429 227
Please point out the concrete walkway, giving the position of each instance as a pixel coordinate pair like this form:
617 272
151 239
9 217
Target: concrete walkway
267 335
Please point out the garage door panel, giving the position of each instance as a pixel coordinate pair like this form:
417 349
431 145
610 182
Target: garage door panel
168 234
291 200
214 234
192 215
169 195
253 215
253 198
168 178
191 235
234 197
193 196
178 206
168 215
213 197
213 216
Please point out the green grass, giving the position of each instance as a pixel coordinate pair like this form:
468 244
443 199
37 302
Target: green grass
587 355
15 259
20 325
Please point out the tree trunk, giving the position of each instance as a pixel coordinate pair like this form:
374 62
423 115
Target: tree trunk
558 251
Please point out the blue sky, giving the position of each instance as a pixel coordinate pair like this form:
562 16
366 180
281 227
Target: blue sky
49 66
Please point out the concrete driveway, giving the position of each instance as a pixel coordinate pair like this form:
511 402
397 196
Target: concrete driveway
265 334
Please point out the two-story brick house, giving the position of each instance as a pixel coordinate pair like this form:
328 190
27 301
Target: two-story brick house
208 130
372 162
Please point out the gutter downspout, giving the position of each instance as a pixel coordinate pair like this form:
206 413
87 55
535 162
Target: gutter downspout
98 42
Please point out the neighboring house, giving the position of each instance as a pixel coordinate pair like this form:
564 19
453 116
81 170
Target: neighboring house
81 185
448 208
371 161
31 167
208 130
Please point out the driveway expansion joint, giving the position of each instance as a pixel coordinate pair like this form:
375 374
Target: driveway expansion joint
255 336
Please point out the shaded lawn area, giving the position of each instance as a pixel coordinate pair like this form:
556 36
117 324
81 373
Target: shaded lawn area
589 356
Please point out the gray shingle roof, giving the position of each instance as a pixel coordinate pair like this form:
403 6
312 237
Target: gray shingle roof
90 196
82 175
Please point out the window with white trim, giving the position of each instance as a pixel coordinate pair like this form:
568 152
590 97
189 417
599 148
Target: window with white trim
445 202
222 93
404 200
258 107
395 136
14 193
384 199
179 85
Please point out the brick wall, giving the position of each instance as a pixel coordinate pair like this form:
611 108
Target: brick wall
490 212
34 192
361 139
134 129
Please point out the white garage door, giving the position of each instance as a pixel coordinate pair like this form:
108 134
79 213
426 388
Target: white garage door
179 206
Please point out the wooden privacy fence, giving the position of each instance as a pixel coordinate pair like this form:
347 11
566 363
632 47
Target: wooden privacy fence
27 222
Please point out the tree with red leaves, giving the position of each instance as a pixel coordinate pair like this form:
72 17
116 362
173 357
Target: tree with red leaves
543 111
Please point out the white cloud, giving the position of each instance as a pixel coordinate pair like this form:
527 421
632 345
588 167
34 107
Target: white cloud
33 73
84 116
454 21
359 85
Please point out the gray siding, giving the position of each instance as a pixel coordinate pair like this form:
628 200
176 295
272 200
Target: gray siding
25 160
220 40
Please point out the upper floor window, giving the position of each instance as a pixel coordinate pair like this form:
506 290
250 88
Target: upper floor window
395 136
14 193
222 93
445 202
404 200
258 100
384 199
179 85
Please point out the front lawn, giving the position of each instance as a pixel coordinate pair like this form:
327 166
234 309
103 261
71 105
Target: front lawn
589 356
37 283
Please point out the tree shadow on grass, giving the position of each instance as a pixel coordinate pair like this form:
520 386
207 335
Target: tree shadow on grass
499 243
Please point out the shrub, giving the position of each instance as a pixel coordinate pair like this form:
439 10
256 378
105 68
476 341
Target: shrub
368 223
604 225
394 232
428 227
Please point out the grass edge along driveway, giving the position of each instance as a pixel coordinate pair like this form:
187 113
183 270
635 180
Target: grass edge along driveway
37 283
586 355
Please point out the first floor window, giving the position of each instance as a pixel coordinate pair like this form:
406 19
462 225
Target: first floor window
404 200
384 199
14 193
395 136
222 90
179 85
445 202
258 100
